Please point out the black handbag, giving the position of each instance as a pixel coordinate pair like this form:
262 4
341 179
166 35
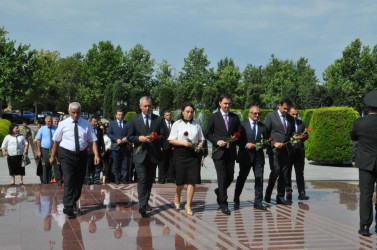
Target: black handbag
25 160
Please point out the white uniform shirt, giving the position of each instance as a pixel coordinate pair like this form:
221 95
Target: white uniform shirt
107 141
11 144
65 134
195 133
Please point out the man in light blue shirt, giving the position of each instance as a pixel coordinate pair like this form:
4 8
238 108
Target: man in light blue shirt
44 146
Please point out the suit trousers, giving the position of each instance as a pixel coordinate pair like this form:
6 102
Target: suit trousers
46 167
120 164
298 162
367 180
281 161
258 168
74 167
146 174
225 174
93 172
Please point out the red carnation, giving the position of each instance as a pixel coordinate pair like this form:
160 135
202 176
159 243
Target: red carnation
155 135
271 138
308 129
88 149
172 148
237 135
302 136
202 164
185 133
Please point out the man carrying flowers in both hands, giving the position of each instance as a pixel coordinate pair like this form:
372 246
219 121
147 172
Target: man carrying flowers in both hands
253 132
297 158
146 131
222 131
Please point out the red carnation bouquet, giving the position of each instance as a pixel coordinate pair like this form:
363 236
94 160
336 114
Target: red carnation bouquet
140 147
229 140
263 142
294 141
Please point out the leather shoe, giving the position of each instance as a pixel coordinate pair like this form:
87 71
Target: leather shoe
68 211
217 196
225 210
76 208
282 201
117 182
303 197
236 200
143 212
260 206
364 230
148 208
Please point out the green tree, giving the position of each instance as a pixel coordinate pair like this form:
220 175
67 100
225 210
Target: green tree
252 79
163 91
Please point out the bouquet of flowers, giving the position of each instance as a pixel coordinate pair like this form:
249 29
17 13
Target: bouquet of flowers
140 147
263 142
294 141
229 140
117 144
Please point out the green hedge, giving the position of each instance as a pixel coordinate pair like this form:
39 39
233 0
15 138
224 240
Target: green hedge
329 140
6 122
306 116
4 130
202 115
129 115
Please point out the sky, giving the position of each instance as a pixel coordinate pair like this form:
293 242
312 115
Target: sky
248 31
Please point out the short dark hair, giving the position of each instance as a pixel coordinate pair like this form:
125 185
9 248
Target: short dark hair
93 117
119 110
12 126
185 105
226 96
286 101
167 111
25 121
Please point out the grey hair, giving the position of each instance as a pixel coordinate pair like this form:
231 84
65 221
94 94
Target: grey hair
55 118
145 98
48 117
253 107
74 106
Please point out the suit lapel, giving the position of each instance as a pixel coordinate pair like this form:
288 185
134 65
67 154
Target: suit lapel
221 120
142 124
153 122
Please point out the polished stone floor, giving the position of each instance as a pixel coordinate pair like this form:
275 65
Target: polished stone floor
31 218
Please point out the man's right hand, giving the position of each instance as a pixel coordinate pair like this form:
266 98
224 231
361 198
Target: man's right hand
39 154
52 159
119 141
278 145
221 143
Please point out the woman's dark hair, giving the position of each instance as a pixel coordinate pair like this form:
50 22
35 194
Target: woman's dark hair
11 128
185 105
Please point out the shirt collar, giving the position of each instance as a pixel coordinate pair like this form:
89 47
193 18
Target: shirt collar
252 121
279 113
149 116
223 113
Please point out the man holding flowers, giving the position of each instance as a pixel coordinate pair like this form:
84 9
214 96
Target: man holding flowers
223 130
253 133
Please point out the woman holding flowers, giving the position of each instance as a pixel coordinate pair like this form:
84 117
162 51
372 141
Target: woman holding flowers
187 137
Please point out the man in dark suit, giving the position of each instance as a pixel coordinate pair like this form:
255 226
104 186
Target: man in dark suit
297 159
166 171
365 132
140 132
281 127
117 132
252 131
93 171
220 131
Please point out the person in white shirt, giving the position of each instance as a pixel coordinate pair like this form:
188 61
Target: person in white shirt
13 147
187 137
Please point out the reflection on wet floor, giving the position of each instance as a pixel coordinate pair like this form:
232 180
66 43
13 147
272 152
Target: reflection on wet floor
31 217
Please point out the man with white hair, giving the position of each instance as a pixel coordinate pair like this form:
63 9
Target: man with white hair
71 139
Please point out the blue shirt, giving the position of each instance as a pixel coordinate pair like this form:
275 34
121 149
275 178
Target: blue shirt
66 136
45 137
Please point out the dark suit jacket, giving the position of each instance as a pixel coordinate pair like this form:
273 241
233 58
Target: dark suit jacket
115 132
100 142
300 130
216 131
276 130
166 145
365 132
246 156
137 128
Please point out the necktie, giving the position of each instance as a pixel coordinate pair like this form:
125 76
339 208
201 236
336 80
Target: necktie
226 121
283 121
169 126
147 122
254 130
77 145
120 124
51 137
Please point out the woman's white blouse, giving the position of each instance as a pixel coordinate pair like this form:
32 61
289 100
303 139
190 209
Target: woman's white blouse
195 133
10 144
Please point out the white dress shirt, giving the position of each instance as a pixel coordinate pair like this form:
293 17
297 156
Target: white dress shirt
11 144
252 125
66 136
195 133
107 141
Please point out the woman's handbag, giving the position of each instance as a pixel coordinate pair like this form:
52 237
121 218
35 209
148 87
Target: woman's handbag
25 160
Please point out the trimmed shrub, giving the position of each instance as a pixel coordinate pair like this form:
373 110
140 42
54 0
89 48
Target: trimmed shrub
306 116
129 115
245 114
4 130
329 141
176 115
202 115
5 121
237 112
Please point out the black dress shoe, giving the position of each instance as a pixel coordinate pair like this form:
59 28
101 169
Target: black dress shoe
225 210
236 200
148 208
68 211
260 206
217 196
117 182
143 212
364 230
76 208
303 197
282 201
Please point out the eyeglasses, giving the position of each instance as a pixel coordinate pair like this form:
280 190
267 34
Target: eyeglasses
255 113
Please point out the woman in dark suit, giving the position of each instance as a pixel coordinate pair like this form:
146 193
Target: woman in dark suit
187 137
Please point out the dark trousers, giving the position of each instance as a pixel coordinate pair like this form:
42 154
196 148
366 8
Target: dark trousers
258 167
225 174
46 167
298 162
165 165
280 162
121 167
93 172
367 180
146 174
74 168
108 160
